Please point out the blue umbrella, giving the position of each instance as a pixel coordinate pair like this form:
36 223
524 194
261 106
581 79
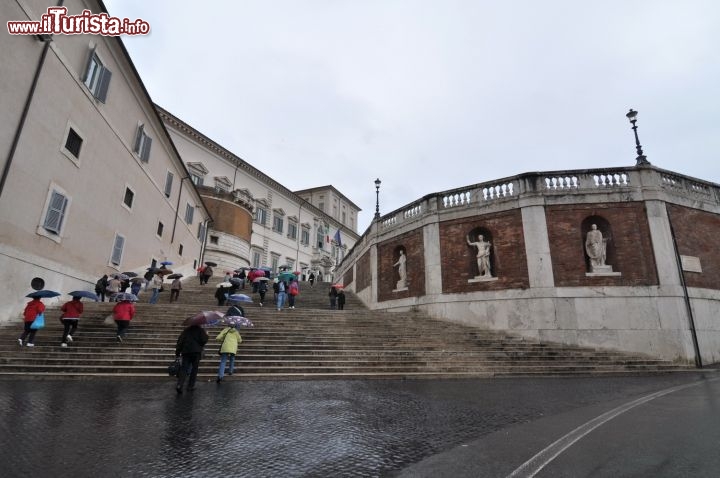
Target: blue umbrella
43 294
166 263
239 298
83 293
124 296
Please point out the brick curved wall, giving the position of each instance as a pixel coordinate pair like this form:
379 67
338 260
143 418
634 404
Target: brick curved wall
508 259
696 234
632 249
415 266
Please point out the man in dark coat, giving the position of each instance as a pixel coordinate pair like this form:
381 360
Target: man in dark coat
190 344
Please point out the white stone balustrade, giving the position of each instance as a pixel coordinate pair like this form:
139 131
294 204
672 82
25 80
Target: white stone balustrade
497 191
561 182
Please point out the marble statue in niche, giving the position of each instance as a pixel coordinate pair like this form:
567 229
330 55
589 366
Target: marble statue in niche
596 249
483 256
402 271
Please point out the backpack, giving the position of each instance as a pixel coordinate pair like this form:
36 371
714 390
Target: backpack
294 289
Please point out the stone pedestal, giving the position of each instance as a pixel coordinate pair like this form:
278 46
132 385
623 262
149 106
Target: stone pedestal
600 271
482 279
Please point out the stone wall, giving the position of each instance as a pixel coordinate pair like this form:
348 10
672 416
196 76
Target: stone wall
698 235
412 244
363 272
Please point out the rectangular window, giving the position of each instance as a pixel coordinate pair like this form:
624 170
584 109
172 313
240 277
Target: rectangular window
320 238
143 142
73 143
117 250
290 263
277 224
189 212
214 240
321 206
168 184
305 236
201 231
256 259
55 215
197 180
97 77
274 262
160 229
180 250
260 216
344 217
292 230
129 197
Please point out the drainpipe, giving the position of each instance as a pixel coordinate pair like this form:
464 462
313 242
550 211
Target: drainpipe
693 332
26 109
177 209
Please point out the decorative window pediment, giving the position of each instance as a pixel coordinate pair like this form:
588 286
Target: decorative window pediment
279 212
262 203
293 218
244 193
198 169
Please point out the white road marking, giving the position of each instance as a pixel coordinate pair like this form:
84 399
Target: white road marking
533 466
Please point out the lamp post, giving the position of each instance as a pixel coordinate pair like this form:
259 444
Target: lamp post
377 198
641 159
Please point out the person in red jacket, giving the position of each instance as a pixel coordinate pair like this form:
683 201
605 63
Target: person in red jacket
32 309
123 312
71 312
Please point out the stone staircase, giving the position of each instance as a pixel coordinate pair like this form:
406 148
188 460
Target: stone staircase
309 341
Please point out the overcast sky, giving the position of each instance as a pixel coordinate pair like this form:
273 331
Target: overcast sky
429 95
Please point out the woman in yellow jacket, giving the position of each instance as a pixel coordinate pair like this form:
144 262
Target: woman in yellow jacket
230 338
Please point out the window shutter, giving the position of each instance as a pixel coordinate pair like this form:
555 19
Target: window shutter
145 155
55 212
168 184
104 84
117 250
138 138
88 64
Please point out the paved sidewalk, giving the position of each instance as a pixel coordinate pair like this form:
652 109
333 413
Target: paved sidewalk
289 429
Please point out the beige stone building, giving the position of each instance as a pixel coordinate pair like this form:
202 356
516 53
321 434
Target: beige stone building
91 182
258 222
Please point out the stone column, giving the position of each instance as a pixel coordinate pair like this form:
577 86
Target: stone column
537 246
433 266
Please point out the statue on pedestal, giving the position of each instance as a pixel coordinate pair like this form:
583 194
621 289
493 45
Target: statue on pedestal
402 271
483 256
596 249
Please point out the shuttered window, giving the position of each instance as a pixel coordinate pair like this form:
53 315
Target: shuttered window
189 213
143 143
97 77
117 249
168 184
55 213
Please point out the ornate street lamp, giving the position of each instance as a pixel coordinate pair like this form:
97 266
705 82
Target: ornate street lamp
641 159
377 198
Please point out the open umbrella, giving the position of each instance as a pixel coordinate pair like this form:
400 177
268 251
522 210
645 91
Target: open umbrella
124 296
123 276
284 266
261 279
211 264
164 272
83 293
338 286
43 294
224 284
137 279
287 276
235 281
174 276
240 270
207 317
153 269
297 273
166 263
238 321
129 274
239 298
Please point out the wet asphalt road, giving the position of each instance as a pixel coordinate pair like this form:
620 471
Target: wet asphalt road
343 428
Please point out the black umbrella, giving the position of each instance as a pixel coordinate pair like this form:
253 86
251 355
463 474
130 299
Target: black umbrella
83 293
129 274
43 294
211 264
174 276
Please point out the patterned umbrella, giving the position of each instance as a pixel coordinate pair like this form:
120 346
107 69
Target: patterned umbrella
207 317
239 298
124 296
237 321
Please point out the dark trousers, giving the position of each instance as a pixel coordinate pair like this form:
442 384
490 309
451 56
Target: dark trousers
341 305
174 294
122 326
291 300
189 366
100 294
69 328
29 333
